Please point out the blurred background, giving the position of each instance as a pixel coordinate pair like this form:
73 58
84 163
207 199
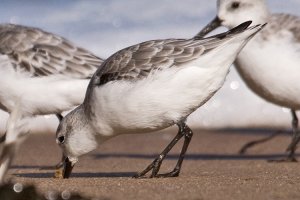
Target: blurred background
104 27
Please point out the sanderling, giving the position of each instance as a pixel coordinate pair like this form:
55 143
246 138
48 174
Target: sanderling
147 87
269 64
41 72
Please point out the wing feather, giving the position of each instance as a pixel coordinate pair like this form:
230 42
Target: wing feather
41 53
138 61
280 22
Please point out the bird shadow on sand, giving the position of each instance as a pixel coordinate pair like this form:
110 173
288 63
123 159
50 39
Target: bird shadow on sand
79 175
252 131
150 157
266 157
215 156
41 167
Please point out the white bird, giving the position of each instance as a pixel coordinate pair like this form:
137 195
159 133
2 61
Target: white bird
270 63
41 72
148 87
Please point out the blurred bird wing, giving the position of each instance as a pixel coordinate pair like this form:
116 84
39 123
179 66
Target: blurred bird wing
282 21
41 53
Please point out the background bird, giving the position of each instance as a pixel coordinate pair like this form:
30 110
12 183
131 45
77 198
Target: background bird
147 87
43 74
270 63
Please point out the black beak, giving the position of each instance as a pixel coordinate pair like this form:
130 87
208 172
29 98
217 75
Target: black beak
65 170
215 23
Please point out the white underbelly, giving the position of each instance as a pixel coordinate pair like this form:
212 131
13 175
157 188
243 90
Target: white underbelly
272 70
157 101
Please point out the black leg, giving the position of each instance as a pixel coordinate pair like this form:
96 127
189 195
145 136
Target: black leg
291 148
248 145
185 131
188 134
295 138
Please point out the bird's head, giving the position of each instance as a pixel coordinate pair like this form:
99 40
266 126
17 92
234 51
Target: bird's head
231 13
234 12
75 137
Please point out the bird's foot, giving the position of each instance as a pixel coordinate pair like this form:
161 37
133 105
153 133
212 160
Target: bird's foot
287 159
154 166
250 144
174 173
157 163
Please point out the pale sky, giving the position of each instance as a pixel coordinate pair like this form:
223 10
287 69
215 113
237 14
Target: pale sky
106 26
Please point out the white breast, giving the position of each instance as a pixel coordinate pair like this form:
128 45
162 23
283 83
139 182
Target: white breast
271 68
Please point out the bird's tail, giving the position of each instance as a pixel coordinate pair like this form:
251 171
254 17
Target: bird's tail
240 29
227 44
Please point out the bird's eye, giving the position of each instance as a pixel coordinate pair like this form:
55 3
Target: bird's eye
235 5
61 139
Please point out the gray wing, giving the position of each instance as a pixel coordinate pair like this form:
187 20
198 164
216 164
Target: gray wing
41 53
283 21
140 60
